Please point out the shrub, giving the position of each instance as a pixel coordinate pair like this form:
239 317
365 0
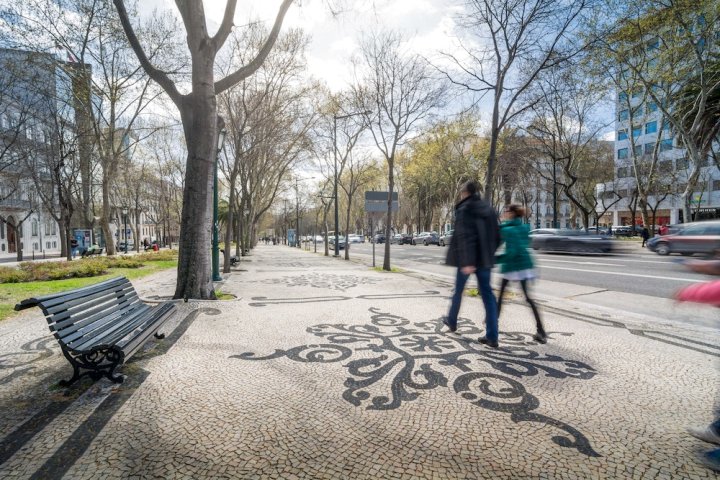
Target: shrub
122 262
158 256
12 275
61 270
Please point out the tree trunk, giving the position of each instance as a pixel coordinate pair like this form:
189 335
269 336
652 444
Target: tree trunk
494 132
347 228
199 115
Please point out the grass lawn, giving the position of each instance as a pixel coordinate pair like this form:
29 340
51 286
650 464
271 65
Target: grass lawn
12 293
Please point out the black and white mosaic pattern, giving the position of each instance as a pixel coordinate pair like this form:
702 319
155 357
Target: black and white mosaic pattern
415 357
325 281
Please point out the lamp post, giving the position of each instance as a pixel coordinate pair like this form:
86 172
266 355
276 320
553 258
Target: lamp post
125 212
335 194
215 234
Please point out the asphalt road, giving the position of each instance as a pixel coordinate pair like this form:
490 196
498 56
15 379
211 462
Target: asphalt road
638 272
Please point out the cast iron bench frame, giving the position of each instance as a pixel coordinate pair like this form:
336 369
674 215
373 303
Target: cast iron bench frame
99 327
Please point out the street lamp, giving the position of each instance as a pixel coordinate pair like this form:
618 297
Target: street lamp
215 234
335 194
125 212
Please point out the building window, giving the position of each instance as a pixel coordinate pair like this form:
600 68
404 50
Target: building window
683 163
666 125
651 127
716 185
623 115
666 144
622 97
651 107
622 153
637 150
36 246
622 135
622 172
54 244
636 131
649 147
35 228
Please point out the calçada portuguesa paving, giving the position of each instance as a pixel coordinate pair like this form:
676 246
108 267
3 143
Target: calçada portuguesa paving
325 369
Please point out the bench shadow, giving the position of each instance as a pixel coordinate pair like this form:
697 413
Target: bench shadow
77 443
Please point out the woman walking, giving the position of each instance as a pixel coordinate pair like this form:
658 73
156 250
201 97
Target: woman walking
516 264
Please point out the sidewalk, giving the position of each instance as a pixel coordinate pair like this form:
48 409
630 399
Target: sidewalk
323 368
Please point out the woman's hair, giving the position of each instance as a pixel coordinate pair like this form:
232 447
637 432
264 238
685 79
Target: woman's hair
517 211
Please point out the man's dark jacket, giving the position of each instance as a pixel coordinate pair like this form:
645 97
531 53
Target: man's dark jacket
476 235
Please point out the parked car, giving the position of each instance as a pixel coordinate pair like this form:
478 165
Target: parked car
402 239
627 230
379 238
697 237
426 238
341 242
446 238
355 238
570 241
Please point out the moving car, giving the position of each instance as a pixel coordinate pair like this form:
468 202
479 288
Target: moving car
402 239
446 238
379 238
697 237
569 241
427 238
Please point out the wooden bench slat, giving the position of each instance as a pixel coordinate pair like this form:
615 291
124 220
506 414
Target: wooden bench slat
131 344
67 318
104 335
47 301
118 292
97 325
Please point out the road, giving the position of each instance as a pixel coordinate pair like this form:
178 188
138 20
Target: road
639 282
641 272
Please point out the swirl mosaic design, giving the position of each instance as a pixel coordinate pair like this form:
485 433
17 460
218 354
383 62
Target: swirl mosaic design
15 364
325 281
396 360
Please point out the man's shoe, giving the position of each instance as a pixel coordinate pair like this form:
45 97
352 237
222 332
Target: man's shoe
488 342
711 460
540 338
450 327
706 434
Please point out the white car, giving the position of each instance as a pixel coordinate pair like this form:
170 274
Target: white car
355 239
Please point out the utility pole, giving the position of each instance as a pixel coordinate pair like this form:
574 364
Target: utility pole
297 215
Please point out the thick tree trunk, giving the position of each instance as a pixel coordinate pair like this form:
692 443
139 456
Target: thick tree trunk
199 115
492 156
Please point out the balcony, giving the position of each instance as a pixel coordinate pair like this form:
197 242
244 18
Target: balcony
15 204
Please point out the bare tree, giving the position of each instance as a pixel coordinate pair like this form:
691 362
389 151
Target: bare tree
198 110
671 49
517 40
564 131
400 92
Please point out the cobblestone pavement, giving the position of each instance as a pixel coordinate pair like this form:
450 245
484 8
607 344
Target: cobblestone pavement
325 369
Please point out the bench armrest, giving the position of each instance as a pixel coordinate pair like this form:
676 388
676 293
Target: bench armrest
27 303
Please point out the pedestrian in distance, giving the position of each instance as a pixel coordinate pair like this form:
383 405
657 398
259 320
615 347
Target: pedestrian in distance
472 250
663 230
516 264
645 235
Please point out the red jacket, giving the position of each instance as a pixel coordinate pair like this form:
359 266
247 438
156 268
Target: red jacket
708 292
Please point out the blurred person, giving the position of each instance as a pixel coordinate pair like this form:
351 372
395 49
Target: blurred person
516 264
472 250
708 293
645 235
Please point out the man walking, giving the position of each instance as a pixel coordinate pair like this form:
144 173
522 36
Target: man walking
472 250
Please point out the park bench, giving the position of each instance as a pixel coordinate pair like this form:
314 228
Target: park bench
234 260
99 327
92 251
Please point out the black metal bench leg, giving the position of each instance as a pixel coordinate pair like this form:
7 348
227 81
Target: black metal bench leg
76 376
159 335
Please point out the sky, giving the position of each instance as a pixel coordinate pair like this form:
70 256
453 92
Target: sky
428 24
